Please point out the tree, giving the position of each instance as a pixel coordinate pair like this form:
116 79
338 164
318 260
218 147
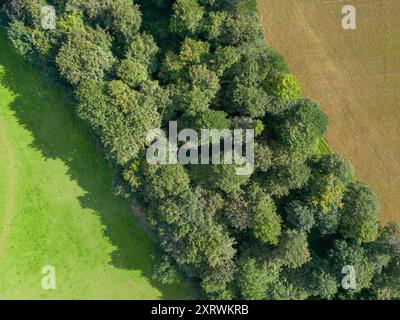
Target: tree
216 280
279 180
386 285
165 271
187 17
133 73
326 193
301 126
286 87
94 104
123 18
266 222
155 96
122 96
253 278
224 58
215 25
219 247
251 69
244 26
211 119
218 176
20 38
263 157
70 23
282 289
250 101
167 181
360 213
136 116
327 222
194 51
172 68
237 211
344 254
285 231
26 11
293 249
323 284
175 67
205 80
258 127
333 164
300 216
120 118
191 102
13 10
85 55
143 49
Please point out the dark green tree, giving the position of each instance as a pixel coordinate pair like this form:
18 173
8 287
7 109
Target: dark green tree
293 249
360 213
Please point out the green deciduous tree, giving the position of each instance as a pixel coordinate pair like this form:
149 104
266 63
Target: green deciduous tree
211 119
345 254
123 18
300 216
132 72
187 17
263 157
333 164
281 179
326 193
215 24
266 222
20 37
165 271
143 49
237 211
360 213
122 96
301 126
216 280
224 58
205 80
194 51
286 87
253 278
218 176
293 249
249 101
244 26
167 181
85 55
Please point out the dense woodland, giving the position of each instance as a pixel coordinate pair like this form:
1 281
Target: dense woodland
286 231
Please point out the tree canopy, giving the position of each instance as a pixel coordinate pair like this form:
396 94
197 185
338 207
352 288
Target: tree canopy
283 232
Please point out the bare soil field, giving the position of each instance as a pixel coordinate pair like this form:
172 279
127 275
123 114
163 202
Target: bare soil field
354 75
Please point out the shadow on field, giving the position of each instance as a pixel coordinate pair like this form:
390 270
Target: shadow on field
42 108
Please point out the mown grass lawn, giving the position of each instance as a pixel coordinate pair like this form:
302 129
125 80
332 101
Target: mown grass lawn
56 204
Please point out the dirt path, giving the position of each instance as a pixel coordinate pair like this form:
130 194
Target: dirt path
354 75
10 170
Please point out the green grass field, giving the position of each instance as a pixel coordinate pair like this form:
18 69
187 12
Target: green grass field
56 204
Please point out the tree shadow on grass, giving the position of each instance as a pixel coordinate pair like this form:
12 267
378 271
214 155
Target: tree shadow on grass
43 109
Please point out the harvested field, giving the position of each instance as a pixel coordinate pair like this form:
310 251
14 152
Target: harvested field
354 75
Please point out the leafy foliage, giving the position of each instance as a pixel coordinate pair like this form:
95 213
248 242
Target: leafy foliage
284 232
